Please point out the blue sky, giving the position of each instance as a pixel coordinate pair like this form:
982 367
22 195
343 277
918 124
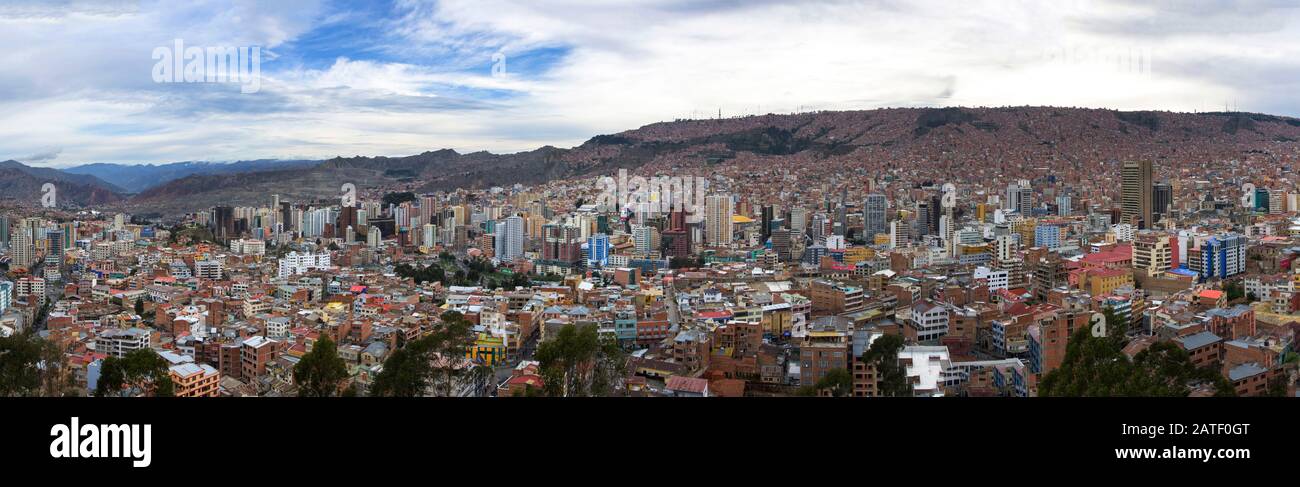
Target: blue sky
405 76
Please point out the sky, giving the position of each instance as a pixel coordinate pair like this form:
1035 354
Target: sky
401 77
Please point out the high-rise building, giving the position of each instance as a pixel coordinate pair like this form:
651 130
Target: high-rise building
922 219
798 219
510 238
873 215
1047 236
21 249
1162 201
718 213
1063 205
900 234
223 222
645 238
675 240
765 231
430 235
1222 256
1025 202
1136 197
936 210
562 243
6 296
597 250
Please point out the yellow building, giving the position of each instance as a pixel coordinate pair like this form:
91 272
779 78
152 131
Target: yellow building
488 349
1101 282
853 255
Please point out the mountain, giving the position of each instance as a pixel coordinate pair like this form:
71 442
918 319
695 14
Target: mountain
136 178
20 182
945 144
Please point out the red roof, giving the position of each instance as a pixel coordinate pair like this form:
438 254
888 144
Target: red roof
687 384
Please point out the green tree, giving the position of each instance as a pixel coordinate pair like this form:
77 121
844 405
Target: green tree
139 307
139 372
839 382
429 364
321 371
891 376
31 366
1277 386
577 362
1097 367
1234 290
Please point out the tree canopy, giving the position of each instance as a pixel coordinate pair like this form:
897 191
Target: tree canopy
139 372
891 376
321 372
428 364
577 362
1097 366
31 366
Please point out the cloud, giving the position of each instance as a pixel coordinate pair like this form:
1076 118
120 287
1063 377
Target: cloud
405 76
41 157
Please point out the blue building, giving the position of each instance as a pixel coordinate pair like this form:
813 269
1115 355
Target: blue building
1223 256
1048 236
6 296
597 250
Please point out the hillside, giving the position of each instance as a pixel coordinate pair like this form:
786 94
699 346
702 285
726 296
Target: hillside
22 184
138 177
943 143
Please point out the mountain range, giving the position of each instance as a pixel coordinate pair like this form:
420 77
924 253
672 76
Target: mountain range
138 177
943 142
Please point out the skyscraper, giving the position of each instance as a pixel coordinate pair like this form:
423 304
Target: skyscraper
510 238
1162 201
1135 194
718 213
4 231
924 214
1025 202
675 241
873 215
765 231
223 222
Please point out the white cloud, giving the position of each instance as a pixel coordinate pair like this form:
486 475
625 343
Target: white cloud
86 89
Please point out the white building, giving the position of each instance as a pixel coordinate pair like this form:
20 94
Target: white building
295 263
997 278
209 269
248 247
120 342
930 320
927 368
1124 232
509 243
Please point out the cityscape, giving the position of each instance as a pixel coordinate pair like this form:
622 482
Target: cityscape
422 199
762 275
